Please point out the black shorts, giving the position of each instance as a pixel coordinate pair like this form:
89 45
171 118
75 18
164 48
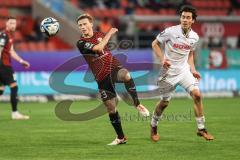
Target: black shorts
6 75
107 86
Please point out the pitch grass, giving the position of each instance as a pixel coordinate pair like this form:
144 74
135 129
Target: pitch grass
45 137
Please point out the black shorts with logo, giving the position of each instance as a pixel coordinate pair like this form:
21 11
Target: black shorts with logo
6 75
107 85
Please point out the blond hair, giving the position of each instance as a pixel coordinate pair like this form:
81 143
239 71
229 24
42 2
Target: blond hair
85 15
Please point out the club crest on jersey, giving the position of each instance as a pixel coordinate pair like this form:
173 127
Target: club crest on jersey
181 46
99 39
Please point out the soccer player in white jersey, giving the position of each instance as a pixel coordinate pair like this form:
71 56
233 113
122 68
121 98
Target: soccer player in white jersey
175 48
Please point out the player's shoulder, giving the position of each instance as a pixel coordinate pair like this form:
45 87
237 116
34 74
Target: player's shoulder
172 29
194 35
99 34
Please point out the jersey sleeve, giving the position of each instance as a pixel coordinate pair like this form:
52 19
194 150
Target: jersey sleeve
85 47
163 36
3 39
194 46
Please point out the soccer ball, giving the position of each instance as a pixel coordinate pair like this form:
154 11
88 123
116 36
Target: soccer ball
49 26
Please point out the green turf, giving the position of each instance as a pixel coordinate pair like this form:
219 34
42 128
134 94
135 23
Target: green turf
45 137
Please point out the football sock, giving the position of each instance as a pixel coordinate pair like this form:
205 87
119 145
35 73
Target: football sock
116 123
1 92
131 88
200 122
14 98
155 119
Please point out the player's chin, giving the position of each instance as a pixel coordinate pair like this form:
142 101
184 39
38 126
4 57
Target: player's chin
84 32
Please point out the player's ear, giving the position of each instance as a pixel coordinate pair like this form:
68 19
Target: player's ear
193 21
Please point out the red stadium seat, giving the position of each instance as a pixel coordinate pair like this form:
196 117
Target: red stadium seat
236 12
2 24
22 46
41 46
4 12
171 12
163 12
50 46
32 46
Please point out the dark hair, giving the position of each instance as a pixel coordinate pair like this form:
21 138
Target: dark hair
11 17
88 16
189 8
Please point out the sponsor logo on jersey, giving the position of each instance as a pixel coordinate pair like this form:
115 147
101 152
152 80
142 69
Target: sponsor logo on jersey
181 46
99 39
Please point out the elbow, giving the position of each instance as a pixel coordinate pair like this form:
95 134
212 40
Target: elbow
154 44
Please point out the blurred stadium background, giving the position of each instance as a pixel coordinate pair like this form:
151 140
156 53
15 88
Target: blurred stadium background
139 22
217 56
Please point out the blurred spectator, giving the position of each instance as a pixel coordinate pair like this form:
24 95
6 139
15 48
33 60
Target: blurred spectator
130 29
112 4
238 41
182 3
87 4
214 42
105 25
235 3
129 10
147 36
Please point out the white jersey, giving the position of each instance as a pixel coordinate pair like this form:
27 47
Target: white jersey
177 47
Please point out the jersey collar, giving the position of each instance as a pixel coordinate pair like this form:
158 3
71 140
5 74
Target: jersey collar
186 34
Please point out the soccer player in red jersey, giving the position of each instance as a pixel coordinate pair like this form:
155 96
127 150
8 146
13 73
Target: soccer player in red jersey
107 70
6 71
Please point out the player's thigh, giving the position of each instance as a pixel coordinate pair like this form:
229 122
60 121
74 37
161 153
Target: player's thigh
166 86
107 89
188 82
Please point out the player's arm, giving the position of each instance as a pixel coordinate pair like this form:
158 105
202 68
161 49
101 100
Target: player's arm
15 56
192 65
191 61
158 52
3 41
100 46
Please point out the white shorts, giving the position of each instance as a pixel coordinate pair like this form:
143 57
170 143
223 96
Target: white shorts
168 83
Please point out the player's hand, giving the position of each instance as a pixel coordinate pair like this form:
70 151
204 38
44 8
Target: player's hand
166 64
196 75
113 30
25 64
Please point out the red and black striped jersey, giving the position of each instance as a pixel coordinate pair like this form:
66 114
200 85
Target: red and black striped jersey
6 42
101 63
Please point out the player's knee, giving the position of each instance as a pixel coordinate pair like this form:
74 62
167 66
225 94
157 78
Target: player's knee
197 96
111 110
124 75
127 77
